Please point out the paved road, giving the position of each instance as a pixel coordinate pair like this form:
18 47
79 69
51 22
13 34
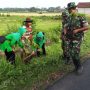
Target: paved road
73 81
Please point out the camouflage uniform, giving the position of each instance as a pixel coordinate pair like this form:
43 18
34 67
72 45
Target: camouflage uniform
74 40
65 17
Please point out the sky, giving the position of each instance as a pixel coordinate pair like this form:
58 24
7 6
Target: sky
37 3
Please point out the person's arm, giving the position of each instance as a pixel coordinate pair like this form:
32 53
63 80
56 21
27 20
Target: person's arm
8 37
84 25
80 30
5 46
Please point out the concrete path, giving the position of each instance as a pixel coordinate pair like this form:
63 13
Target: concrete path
73 81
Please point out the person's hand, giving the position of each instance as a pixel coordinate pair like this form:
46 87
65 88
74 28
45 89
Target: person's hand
33 53
75 31
39 49
65 31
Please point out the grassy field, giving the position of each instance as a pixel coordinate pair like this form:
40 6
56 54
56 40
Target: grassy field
41 71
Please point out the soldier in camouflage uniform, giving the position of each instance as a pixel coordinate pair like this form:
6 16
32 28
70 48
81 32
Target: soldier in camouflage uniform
74 31
64 44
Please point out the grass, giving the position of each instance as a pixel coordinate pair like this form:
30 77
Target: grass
39 71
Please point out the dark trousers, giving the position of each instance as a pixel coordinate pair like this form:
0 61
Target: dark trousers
10 56
43 50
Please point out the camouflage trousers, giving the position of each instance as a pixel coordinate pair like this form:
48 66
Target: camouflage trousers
65 48
72 49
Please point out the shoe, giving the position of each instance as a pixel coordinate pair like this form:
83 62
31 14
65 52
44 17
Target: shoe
79 70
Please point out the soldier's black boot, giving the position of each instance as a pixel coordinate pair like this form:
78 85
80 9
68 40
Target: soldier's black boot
80 70
78 66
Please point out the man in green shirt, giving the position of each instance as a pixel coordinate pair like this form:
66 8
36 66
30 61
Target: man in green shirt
38 43
11 40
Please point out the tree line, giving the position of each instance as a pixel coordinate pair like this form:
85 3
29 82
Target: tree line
32 9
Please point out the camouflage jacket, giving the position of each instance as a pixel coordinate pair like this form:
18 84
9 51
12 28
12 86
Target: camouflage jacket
75 23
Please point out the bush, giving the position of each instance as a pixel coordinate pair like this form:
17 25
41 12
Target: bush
13 28
57 17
